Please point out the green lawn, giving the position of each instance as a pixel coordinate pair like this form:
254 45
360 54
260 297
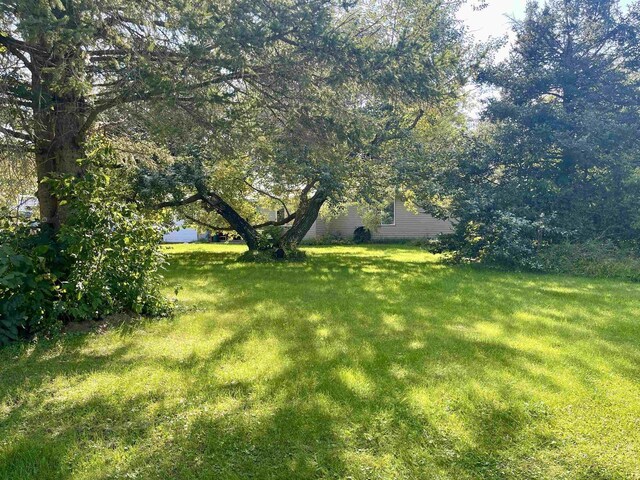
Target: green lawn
363 362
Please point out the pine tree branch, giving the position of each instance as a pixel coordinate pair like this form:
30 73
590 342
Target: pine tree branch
16 134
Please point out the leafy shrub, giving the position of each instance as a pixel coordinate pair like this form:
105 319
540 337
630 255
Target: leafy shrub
106 257
29 288
593 258
519 248
361 235
270 237
500 238
113 247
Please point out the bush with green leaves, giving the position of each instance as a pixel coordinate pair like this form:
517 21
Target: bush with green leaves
594 258
29 286
112 245
361 235
499 238
106 257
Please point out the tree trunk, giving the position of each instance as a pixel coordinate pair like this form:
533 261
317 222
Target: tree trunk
307 214
56 158
59 120
234 219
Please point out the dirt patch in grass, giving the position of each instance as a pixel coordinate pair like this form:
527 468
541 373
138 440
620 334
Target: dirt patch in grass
102 324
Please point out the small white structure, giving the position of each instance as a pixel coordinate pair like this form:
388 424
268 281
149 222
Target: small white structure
27 205
181 234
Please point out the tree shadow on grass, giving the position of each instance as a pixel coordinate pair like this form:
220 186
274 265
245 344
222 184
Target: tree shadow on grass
378 369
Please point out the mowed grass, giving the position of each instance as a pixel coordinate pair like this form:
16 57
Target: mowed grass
363 362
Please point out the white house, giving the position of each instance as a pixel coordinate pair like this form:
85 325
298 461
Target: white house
181 234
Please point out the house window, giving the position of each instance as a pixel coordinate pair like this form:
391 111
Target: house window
388 214
280 215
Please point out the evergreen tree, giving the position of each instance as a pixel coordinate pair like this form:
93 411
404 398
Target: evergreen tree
64 63
569 115
558 149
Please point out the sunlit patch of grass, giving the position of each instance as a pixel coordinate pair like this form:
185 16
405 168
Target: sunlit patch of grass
362 362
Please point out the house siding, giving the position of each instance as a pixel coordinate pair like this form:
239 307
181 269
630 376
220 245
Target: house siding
313 231
407 225
321 227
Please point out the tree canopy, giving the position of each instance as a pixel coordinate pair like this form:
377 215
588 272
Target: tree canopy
557 152
65 63
334 136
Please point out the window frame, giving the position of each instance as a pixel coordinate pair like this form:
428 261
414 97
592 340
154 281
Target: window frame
394 217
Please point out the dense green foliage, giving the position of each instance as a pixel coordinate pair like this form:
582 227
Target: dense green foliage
557 153
373 362
111 246
29 288
595 258
65 64
361 235
345 121
273 92
106 258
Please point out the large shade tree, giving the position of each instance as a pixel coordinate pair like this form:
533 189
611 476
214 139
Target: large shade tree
332 136
65 63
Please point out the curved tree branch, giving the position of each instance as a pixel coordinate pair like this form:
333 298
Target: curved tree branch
137 96
18 45
216 204
273 197
277 223
178 203
16 134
